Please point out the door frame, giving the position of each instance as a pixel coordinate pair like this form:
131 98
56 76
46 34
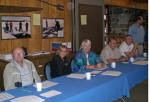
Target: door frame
79 20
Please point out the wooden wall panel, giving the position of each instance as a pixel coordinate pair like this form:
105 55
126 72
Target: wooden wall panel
127 3
5 46
36 43
68 26
24 3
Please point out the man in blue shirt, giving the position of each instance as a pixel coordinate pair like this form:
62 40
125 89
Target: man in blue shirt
137 32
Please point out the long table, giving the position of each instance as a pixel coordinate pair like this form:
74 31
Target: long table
99 89
134 73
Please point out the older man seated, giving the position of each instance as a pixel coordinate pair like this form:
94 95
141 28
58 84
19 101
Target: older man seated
111 53
86 59
127 47
19 72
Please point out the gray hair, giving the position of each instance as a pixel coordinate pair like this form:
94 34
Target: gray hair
86 41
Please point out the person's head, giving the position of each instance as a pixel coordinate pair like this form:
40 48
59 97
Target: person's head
139 20
62 51
18 54
112 43
86 45
128 39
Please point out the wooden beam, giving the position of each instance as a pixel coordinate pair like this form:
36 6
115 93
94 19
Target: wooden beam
127 3
17 9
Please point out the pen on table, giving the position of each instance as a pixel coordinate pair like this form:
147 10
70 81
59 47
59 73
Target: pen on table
25 90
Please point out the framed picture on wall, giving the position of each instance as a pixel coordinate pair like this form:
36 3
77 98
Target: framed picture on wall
15 27
52 28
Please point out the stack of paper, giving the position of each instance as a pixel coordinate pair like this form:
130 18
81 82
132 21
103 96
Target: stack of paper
50 93
112 73
95 72
30 98
77 76
39 53
140 58
141 62
5 96
47 84
7 57
102 68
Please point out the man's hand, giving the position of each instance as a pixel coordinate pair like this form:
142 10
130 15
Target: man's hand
90 66
99 65
104 65
124 58
110 60
136 44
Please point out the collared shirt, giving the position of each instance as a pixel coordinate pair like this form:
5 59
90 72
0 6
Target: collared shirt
109 53
137 33
25 74
124 47
80 62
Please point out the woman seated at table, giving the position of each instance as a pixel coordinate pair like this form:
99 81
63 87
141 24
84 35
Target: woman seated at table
59 64
86 59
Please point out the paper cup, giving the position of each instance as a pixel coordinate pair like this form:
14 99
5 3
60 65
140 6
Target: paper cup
39 86
145 54
132 59
88 76
113 64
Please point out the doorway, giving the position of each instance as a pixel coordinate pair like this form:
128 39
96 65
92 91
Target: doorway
91 26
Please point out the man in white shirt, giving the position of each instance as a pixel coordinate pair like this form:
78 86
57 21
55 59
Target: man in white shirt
111 53
127 47
19 72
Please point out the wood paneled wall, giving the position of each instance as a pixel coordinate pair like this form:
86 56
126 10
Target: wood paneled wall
36 43
127 3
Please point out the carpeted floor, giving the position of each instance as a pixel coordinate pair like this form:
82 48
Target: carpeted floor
139 93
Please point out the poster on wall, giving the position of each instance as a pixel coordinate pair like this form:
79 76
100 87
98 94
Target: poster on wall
16 27
52 28
55 45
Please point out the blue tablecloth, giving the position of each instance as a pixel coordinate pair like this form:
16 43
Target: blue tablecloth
99 89
134 73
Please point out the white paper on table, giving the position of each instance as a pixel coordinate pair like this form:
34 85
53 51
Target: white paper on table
112 73
140 58
47 84
5 96
141 62
102 68
50 93
30 98
95 72
77 76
